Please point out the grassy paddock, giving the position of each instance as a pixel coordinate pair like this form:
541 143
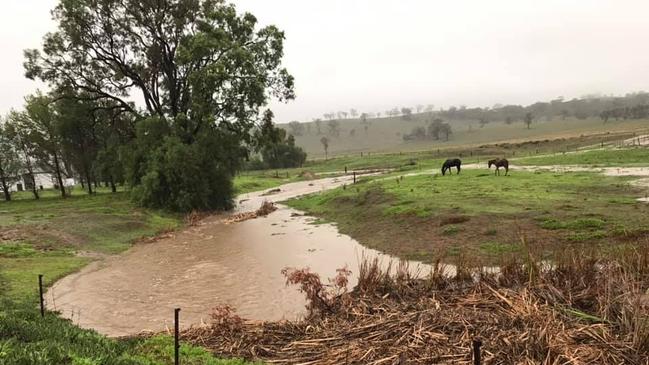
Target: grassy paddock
249 181
601 157
386 134
425 217
431 156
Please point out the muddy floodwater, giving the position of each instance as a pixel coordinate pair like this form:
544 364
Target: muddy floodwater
237 264
211 264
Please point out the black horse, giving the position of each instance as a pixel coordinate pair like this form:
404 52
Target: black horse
500 162
453 162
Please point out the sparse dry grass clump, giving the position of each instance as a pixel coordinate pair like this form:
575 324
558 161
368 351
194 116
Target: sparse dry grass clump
579 309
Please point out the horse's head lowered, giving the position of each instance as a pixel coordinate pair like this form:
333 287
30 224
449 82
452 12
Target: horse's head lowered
492 162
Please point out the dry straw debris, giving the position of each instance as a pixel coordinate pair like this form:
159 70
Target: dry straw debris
265 209
194 218
583 311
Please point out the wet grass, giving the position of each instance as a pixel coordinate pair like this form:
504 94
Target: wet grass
401 163
420 216
250 181
638 156
497 248
368 161
105 222
26 338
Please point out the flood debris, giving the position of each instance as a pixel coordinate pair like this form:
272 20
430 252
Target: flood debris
158 237
265 209
272 192
194 218
581 314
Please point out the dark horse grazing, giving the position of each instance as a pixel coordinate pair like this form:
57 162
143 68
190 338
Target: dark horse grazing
453 162
500 162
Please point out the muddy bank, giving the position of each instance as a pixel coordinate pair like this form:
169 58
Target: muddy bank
211 264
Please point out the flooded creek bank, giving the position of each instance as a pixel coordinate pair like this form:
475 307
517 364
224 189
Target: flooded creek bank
211 264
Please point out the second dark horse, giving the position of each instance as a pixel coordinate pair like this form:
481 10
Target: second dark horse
500 162
454 162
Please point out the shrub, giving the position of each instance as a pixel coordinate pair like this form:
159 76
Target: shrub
169 173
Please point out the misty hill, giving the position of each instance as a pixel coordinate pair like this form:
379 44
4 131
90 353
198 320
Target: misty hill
407 130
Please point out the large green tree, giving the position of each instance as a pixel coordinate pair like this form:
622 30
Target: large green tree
201 71
78 126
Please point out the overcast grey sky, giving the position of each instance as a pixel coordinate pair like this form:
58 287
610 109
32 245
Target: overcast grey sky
373 55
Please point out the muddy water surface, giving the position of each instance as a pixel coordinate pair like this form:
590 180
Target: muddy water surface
210 264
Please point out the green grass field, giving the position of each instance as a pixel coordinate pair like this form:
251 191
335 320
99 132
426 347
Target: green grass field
386 134
249 181
638 156
429 216
43 237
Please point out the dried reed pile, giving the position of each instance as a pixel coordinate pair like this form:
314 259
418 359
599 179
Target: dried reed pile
580 311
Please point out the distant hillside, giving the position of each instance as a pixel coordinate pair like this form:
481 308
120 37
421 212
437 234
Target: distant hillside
409 132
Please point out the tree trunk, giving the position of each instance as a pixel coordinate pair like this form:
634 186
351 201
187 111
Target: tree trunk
88 180
5 188
57 170
30 170
89 184
113 188
34 189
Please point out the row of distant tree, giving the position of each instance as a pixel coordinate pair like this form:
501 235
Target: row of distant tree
633 112
591 106
629 106
436 130
394 112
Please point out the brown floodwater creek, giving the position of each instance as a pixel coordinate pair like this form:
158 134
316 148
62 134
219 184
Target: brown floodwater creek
212 264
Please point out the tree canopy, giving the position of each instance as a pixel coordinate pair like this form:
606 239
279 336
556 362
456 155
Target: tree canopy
200 71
